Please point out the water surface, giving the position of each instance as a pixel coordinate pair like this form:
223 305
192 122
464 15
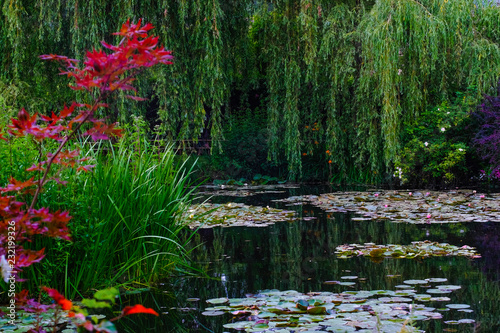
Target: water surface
300 256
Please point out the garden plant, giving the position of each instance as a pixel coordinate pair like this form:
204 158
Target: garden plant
22 220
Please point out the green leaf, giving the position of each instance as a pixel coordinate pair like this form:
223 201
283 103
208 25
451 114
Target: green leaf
94 304
107 294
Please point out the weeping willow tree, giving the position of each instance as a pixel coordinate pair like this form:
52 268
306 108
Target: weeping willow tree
340 77
353 73
208 39
416 54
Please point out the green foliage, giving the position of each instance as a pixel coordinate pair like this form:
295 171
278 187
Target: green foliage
244 149
126 221
436 144
129 228
360 70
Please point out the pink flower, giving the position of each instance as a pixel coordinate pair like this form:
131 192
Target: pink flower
376 194
410 194
428 216
481 196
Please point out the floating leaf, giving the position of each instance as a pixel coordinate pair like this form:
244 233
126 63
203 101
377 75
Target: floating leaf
457 306
438 291
434 280
415 282
218 300
212 313
317 310
448 287
466 321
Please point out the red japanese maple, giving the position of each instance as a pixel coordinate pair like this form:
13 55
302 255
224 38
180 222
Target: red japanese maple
102 73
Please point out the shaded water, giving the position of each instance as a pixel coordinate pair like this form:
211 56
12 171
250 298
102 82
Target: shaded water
300 256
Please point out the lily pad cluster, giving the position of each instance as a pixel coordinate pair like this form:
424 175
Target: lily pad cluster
236 214
409 207
360 311
420 249
26 321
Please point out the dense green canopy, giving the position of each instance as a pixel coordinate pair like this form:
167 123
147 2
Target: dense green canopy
338 76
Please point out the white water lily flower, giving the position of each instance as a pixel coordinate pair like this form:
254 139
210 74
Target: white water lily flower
426 143
6 270
460 149
443 129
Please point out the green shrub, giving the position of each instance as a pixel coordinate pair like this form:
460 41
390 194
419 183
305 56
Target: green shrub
436 145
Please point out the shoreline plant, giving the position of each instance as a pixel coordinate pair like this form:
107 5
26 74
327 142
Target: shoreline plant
103 74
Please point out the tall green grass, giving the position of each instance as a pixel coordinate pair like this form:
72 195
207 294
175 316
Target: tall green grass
127 226
130 220
135 205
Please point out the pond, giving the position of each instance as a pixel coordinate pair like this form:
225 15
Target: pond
258 264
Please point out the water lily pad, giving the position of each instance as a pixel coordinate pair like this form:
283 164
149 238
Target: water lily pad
434 280
213 313
457 306
415 282
466 321
438 291
347 283
218 300
449 287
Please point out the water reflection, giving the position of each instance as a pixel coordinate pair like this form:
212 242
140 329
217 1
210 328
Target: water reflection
300 256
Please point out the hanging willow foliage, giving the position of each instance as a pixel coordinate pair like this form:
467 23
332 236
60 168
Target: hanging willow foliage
366 69
208 39
340 77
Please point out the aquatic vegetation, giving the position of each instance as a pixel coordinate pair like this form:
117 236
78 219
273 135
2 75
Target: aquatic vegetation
232 214
360 311
422 249
408 207
35 317
245 190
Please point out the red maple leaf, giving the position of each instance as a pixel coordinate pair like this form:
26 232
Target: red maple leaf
85 168
16 185
21 297
102 131
128 310
27 257
130 30
58 298
23 123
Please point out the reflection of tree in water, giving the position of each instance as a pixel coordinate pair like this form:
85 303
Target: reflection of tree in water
300 255
487 238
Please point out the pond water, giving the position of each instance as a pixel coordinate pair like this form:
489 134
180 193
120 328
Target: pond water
300 256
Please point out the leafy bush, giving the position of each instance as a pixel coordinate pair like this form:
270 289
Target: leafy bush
436 144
